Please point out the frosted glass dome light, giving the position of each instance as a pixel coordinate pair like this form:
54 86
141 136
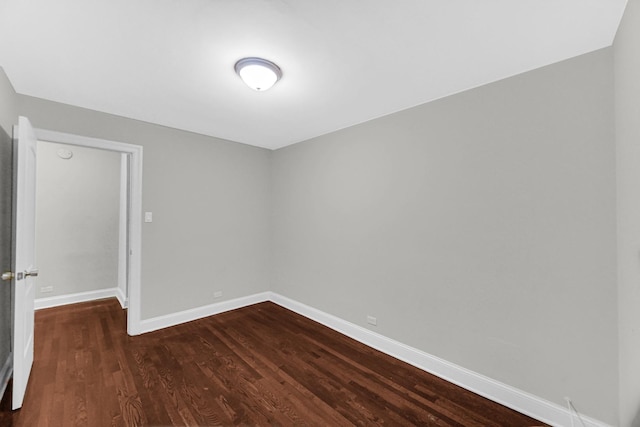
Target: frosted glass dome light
259 74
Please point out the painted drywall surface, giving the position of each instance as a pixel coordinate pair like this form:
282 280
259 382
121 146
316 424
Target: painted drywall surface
8 108
210 204
77 218
479 228
627 107
8 117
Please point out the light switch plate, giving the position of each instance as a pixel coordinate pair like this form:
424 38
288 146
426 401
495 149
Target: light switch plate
148 217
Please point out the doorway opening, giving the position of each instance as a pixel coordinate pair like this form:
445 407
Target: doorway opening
81 209
129 252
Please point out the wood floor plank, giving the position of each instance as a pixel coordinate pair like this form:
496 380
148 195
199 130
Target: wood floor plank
257 366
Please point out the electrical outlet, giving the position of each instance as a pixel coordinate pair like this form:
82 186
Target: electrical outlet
46 289
217 294
372 320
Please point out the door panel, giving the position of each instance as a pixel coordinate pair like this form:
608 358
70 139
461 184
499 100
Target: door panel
6 211
25 268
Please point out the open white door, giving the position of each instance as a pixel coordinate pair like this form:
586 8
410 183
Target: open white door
24 265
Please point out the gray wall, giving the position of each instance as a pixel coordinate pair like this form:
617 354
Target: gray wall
8 108
479 228
77 219
8 117
210 204
627 105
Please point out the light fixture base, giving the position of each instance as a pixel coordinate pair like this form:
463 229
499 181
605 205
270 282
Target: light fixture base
258 73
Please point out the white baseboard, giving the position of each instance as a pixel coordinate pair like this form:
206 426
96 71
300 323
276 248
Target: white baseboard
122 298
5 374
496 391
59 300
155 323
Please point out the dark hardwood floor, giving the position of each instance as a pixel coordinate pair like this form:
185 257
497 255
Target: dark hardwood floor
260 365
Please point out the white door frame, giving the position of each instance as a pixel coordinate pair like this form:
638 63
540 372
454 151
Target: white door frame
134 235
122 291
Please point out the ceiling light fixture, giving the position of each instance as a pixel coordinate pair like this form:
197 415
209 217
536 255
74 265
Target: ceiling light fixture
259 74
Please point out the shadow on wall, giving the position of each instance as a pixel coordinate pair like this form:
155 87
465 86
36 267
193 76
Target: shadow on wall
636 420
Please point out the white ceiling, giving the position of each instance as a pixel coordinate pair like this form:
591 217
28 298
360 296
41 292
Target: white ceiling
344 61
